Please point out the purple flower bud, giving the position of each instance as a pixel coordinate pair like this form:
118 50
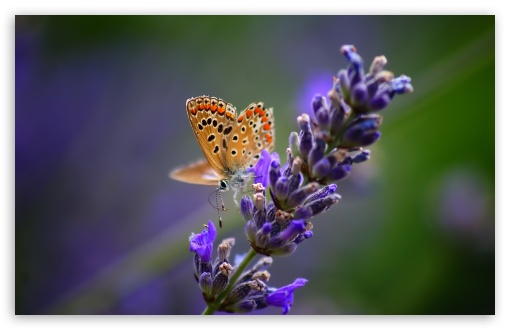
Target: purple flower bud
372 87
206 283
322 116
196 265
281 188
402 85
369 138
306 144
246 208
202 243
306 235
353 57
294 182
284 296
321 168
271 212
261 171
359 95
338 172
361 157
238 293
204 267
361 131
244 306
379 101
275 157
304 123
263 235
306 136
284 250
325 191
303 212
220 282
274 172
298 196
259 217
337 115
318 101
266 229
320 205
250 229
317 151
345 84
295 228
331 200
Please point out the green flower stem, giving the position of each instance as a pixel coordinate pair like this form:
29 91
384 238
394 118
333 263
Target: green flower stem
212 307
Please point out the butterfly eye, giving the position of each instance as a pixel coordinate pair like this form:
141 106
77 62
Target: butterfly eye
223 185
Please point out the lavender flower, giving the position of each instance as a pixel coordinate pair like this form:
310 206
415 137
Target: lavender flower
243 291
284 296
201 244
324 151
327 144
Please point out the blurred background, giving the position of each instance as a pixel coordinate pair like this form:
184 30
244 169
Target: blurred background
100 120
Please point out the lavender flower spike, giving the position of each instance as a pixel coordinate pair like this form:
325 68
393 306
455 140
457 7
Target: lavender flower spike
284 296
202 244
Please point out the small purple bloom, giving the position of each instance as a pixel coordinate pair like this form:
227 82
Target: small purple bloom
362 156
318 102
322 116
379 101
246 208
317 152
339 172
274 172
202 244
295 228
402 85
284 296
359 93
261 170
306 235
281 188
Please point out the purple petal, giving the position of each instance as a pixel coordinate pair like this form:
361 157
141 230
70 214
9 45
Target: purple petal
261 171
201 243
284 296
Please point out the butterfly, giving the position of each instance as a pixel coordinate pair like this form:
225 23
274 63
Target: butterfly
231 144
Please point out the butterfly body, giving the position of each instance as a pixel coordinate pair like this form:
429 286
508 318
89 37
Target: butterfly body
231 144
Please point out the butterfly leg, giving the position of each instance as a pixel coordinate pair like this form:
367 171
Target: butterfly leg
235 197
223 208
218 192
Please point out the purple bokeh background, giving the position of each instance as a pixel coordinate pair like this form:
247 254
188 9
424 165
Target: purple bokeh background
100 121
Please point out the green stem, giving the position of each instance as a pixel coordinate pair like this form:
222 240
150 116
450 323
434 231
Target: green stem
212 307
209 310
